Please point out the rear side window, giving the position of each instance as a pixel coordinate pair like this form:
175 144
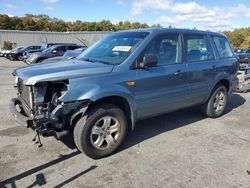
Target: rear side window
62 48
223 47
197 48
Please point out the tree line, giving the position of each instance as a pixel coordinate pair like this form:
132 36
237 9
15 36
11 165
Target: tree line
239 38
45 23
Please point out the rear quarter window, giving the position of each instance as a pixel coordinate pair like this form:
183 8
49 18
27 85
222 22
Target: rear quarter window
72 47
197 48
223 47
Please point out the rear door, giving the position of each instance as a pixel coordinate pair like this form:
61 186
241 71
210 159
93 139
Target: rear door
162 88
200 59
226 63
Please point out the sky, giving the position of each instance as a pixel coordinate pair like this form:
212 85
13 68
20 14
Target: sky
212 15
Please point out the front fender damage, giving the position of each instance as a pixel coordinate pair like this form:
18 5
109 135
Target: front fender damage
59 121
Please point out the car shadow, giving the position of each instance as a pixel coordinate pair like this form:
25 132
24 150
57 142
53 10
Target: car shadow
152 127
235 101
68 140
40 178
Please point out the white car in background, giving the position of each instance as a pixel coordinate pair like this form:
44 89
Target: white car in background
4 53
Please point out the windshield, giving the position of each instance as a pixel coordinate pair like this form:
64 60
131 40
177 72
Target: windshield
18 48
114 49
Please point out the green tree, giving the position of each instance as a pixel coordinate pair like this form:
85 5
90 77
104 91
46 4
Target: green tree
5 22
29 24
42 22
245 43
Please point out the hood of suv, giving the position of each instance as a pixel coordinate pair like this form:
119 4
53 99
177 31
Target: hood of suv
60 70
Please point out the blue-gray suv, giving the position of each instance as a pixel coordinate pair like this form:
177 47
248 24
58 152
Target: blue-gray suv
125 77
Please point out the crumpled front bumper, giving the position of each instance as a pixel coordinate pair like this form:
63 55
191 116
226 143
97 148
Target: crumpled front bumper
19 117
34 124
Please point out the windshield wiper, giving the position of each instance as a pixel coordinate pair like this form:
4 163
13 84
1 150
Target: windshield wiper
87 59
96 61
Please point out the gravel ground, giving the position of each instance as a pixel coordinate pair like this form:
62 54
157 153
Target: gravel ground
181 149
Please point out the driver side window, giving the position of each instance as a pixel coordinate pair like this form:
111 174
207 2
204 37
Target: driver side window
166 49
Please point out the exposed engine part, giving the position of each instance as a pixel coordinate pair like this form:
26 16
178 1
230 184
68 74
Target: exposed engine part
37 140
50 116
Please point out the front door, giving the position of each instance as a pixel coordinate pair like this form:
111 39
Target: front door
162 88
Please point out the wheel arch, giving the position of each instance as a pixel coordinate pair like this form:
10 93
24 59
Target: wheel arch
224 82
122 103
39 60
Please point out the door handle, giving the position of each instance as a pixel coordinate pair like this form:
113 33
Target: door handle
178 73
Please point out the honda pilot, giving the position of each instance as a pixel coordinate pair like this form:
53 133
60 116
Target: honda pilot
125 77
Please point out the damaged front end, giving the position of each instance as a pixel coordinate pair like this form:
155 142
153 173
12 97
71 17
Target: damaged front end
39 107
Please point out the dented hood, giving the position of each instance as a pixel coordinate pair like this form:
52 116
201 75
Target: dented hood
60 70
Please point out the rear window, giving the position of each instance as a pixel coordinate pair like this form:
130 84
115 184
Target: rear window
223 47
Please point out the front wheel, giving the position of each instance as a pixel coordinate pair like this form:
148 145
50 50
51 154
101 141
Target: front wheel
101 131
217 102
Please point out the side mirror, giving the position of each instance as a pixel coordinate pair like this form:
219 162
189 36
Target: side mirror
54 51
149 60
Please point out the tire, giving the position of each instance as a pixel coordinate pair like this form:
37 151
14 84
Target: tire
39 61
101 131
217 102
19 58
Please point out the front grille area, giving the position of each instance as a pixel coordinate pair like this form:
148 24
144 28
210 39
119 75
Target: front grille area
24 96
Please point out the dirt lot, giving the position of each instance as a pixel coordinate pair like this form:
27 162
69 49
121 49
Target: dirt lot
181 149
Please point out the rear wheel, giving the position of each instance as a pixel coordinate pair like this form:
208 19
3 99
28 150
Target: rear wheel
19 57
101 131
217 102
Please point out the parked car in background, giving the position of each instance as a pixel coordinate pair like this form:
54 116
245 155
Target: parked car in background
53 51
17 54
125 77
14 50
244 58
244 85
47 45
247 50
69 54
238 50
43 47
3 53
